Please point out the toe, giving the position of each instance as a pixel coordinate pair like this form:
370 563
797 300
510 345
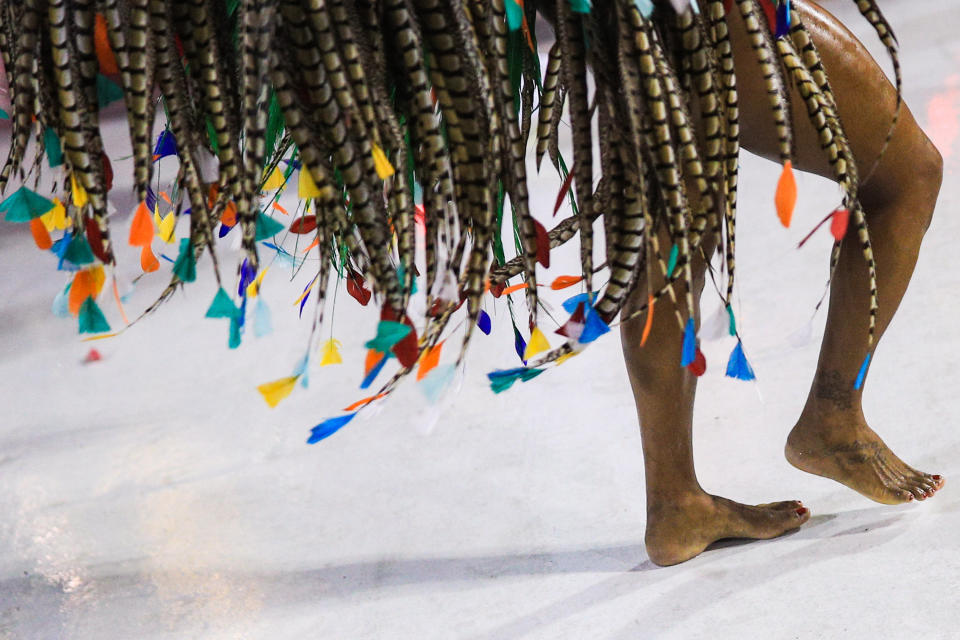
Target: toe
917 492
932 487
897 495
784 505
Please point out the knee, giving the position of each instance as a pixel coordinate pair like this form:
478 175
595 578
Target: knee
930 176
910 183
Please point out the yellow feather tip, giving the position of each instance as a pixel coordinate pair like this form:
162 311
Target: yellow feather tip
80 197
306 187
166 226
331 353
382 165
274 181
537 344
274 392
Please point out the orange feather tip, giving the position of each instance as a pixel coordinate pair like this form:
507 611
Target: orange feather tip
786 196
86 284
364 402
649 322
141 230
373 359
562 282
41 237
148 261
101 42
429 360
229 217
513 289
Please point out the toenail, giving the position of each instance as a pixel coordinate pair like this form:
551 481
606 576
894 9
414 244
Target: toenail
937 478
802 511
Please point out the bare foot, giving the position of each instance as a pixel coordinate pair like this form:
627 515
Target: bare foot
680 529
848 451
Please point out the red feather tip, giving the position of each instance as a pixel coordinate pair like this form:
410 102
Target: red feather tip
838 226
303 224
563 191
543 245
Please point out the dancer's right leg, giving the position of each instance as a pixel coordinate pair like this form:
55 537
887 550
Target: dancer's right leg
682 519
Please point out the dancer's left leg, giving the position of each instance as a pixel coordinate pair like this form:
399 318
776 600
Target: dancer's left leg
832 437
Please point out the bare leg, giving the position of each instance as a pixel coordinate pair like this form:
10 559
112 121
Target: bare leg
682 519
832 438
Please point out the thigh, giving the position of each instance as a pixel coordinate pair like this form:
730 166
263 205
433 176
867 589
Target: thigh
866 100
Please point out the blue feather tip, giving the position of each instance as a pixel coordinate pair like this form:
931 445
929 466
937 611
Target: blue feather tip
329 427
858 384
689 344
737 366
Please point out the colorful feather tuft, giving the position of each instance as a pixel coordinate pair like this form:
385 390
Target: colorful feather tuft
356 289
538 344
148 261
483 321
166 145
648 324
306 187
574 326
503 379
437 382
24 205
222 306
141 229
593 327
839 224
267 227
185 267
699 365
429 360
374 371
786 196
275 180
672 262
91 318
329 427
389 333
862 374
274 392
562 282
303 224
41 237
331 353
381 164
543 245
689 343
737 366
519 344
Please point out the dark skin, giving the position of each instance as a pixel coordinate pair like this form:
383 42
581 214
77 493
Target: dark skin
831 438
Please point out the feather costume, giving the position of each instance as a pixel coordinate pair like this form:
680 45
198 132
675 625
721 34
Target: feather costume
396 114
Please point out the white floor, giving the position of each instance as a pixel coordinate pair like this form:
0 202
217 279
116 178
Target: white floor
153 494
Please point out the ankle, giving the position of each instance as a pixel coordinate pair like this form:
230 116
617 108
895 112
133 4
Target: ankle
663 503
821 415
